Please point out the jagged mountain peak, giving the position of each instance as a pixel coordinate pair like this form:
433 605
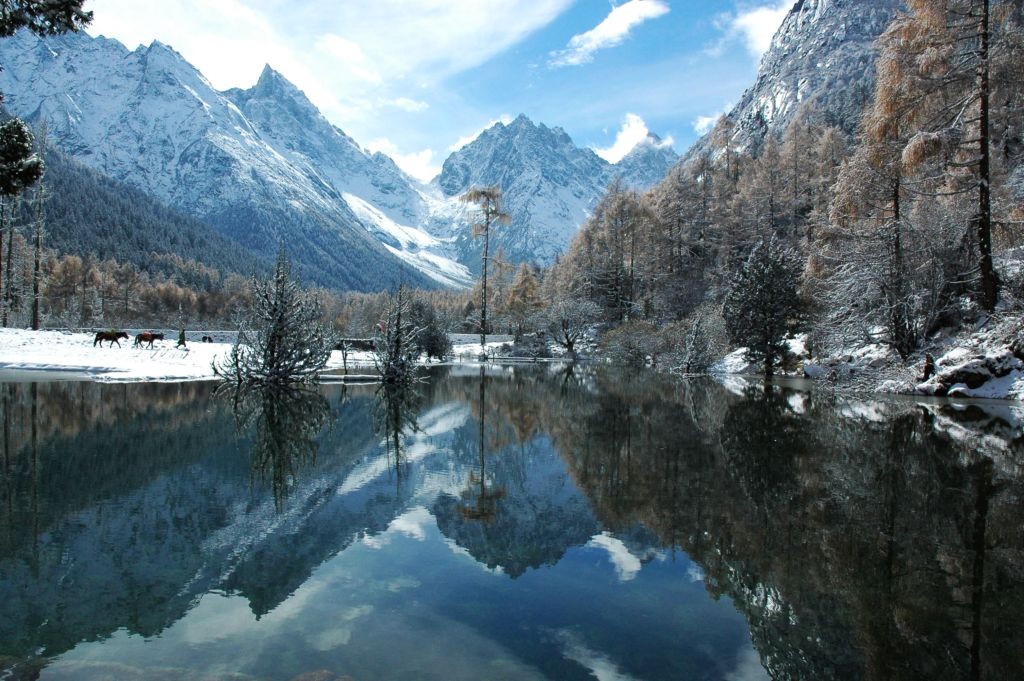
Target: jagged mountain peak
647 162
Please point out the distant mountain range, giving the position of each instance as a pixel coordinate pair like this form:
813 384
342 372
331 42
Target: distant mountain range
263 166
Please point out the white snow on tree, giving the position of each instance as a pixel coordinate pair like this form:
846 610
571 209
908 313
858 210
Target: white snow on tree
395 348
283 340
763 304
568 321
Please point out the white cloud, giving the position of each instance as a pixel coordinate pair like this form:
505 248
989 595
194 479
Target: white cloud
600 666
504 119
704 124
351 55
758 25
352 61
755 26
417 164
627 566
407 104
748 666
612 31
633 131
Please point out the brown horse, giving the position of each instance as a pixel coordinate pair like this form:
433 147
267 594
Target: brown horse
148 337
111 336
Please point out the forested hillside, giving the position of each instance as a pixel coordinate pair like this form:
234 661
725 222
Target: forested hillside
903 228
90 213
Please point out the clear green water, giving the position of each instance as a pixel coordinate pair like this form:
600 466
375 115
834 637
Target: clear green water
536 524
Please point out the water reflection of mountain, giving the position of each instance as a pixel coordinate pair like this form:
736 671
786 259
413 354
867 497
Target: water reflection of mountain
126 526
861 540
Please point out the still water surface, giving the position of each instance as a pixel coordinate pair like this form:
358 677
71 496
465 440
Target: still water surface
520 525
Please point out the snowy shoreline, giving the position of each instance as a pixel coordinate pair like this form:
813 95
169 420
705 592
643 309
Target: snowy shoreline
60 355
54 355
986 363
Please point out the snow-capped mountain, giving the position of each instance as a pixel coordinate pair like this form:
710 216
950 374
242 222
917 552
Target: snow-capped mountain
647 163
260 165
823 52
263 165
549 184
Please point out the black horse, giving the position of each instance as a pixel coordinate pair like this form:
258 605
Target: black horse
112 336
147 337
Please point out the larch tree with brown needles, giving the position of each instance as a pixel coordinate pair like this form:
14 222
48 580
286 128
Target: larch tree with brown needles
962 69
489 200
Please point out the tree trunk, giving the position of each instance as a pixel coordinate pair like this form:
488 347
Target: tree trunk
37 273
483 294
3 226
8 296
989 277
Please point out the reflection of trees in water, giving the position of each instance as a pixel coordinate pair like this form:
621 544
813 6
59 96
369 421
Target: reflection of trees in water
394 416
859 541
286 422
65 445
484 495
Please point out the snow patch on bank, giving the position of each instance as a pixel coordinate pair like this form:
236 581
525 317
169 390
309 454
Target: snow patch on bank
73 355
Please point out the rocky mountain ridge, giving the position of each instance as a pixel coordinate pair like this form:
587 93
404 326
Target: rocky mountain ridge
549 184
823 53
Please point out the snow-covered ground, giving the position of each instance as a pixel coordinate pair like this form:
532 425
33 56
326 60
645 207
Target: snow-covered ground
59 354
72 355
985 362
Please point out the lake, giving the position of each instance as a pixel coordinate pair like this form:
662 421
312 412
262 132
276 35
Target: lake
507 523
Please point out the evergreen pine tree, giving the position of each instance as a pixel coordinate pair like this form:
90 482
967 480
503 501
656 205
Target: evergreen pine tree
763 304
283 341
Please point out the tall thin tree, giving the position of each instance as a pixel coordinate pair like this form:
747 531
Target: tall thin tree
489 200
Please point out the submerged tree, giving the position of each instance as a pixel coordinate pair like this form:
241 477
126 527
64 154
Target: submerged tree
394 416
283 341
763 304
489 200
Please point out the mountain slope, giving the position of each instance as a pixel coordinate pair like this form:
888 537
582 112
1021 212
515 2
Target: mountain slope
822 53
149 119
90 213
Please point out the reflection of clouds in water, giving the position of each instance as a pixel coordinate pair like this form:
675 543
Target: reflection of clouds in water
627 566
748 667
695 573
413 524
460 551
600 666
328 639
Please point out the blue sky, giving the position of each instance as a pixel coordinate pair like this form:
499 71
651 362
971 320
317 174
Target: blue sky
417 78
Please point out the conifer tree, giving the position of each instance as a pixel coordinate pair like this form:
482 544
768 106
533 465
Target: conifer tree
763 304
958 58
283 340
20 168
524 298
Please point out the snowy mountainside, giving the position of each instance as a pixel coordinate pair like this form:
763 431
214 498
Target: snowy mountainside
647 163
261 165
823 52
549 184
